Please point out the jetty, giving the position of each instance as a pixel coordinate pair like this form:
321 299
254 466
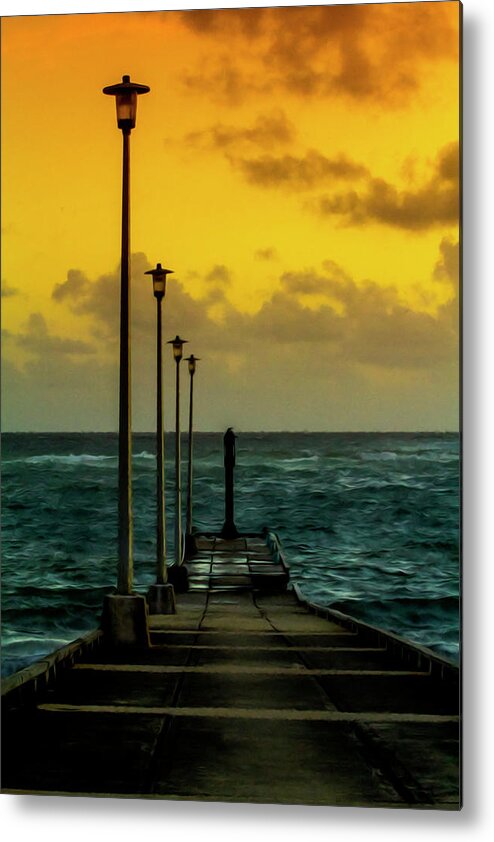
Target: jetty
248 693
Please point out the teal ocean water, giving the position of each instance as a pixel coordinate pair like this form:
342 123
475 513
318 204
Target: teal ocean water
369 524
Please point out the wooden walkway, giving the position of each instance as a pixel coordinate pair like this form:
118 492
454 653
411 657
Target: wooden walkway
244 563
245 695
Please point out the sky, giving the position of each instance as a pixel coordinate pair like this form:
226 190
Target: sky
297 168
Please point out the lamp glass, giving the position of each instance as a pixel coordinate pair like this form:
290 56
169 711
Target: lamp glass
126 109
159 285
192 365
177 351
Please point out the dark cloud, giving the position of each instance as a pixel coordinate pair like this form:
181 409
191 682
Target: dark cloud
360 51
297 173
217 280
219 275
39 341
334 282
219 80
88 298
448 266
269 130
244 22
435 203
399 338
75 284
447 270
360 323
8 291
448 163
285 366
288 171
284 320
269 253
100 300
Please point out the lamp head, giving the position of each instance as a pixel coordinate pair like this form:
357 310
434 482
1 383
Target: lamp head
159 280
192 363
177 345
126 93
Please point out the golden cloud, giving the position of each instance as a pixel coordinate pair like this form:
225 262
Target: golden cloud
363 52
269 130
434 203
358 322
299 173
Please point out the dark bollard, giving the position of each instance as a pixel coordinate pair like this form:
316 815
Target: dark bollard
229 529
179 577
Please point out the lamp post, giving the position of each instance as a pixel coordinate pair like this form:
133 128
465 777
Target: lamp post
161 597
125 613
177 346
190 546
125 93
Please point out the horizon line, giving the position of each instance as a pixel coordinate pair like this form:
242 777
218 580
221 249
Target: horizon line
220 432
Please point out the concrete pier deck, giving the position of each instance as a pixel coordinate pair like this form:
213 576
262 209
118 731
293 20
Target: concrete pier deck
245 695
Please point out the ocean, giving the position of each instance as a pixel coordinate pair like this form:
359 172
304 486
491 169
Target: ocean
369 523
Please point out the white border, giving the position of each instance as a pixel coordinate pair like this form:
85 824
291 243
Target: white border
73 819
45 7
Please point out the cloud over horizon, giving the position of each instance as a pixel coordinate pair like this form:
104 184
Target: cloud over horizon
312 353
37 340
359 321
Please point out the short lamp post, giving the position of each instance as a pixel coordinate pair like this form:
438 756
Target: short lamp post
190 546
177 346
125 613
229 530
161 596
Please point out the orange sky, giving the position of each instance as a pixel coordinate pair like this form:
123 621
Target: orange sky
296 167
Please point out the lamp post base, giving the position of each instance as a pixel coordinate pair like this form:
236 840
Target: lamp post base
161 599
179 577
125 620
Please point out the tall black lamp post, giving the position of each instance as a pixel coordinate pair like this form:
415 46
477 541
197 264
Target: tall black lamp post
125 93
190 546
125 613
161 597
177 345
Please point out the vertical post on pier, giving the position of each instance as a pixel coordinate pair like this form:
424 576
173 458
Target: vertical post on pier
161 576
178 467
177 573
161 596
125 612
229 529
125 93
190 544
